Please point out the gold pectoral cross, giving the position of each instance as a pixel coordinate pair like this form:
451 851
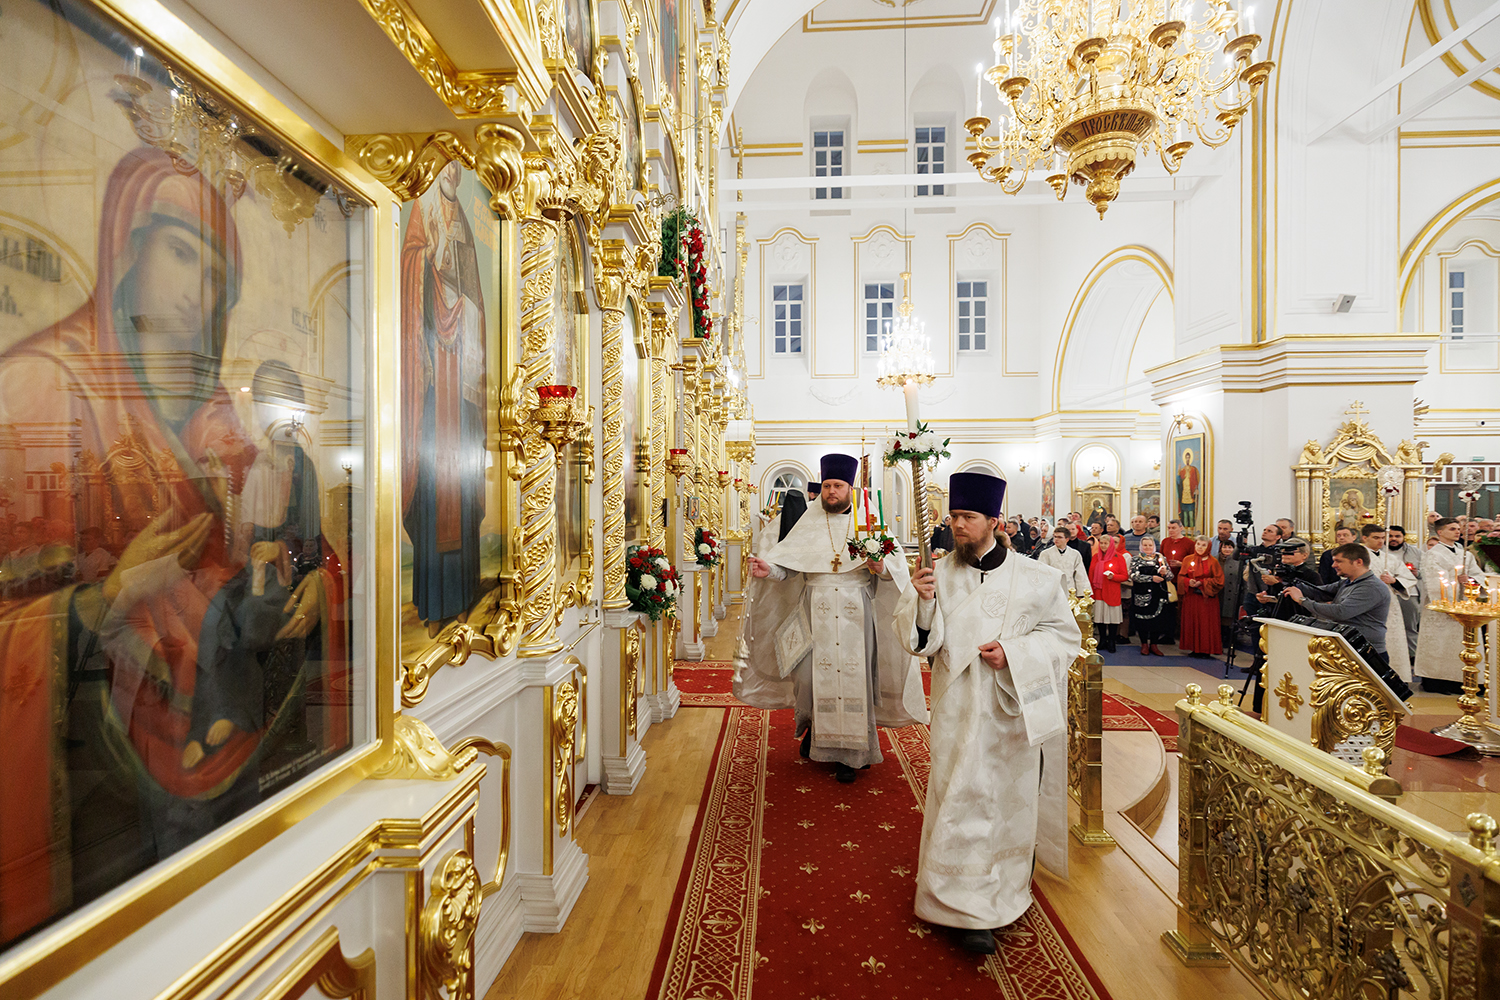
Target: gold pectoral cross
837 561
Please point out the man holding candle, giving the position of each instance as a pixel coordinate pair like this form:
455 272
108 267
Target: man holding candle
1003 635
818 634
1448 569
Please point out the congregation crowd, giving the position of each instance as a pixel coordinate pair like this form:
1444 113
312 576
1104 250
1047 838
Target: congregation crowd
1162 587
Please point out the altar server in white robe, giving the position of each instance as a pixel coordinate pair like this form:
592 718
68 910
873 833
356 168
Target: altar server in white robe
818 636
1003 634
1445 566
1391 569
1065 559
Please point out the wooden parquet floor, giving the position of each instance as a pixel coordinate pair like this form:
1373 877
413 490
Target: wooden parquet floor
636 846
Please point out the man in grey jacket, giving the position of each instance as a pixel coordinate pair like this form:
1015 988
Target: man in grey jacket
1359 598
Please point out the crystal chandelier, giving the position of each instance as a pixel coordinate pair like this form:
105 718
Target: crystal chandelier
1087 85
905 348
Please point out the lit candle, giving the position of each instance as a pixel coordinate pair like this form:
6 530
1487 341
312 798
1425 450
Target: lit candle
1249 20
1007 15
909 390
979 85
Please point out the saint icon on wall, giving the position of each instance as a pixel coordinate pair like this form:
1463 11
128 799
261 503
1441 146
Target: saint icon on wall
1189 486
1187 490
442 400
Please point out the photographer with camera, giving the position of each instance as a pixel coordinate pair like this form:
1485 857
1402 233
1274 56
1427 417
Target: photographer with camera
1359 597
1276 566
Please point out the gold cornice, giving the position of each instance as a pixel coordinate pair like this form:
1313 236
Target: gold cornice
496 93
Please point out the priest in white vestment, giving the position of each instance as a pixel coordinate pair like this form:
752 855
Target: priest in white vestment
1445 566
1003 635
818 635
1390 567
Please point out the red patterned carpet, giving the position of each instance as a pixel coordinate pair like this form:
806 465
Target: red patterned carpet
1122 714
705 684
800 888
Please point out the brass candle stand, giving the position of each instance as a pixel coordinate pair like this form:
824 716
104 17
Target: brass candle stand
557 417
678 463
1470 727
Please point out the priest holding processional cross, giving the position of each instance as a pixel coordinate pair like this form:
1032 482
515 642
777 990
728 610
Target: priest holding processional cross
818 636
1002 634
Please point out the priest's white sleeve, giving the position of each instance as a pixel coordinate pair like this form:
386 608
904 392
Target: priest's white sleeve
1037 661
911 612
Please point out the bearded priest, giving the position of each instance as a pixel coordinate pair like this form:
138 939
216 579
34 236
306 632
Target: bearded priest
818 634
1003 635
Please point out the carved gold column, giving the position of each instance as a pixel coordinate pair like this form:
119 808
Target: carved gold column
660 377
609 282
537 531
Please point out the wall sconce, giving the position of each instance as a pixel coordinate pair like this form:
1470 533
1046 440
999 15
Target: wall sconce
1022 466
1180 421
1098 471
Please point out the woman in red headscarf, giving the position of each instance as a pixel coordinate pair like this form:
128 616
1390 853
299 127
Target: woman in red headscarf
1106 573
117 754
1199 582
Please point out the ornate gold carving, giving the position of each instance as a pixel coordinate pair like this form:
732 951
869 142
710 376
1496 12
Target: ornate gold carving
1345 702
458 640
537 548
481 745
1286 694
613 274
549 31
408 163
630 678
468 95
418 753
447 928
564 722
721 66
498 162
1313 886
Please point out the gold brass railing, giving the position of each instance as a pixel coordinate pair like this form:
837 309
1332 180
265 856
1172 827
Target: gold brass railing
1086 729
1296 868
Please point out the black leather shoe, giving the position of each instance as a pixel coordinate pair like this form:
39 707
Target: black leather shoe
980 942
845 773
806 747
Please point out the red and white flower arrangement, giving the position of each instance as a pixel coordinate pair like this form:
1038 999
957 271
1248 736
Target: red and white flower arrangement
651 582
707 547
873 546
921 445
703 324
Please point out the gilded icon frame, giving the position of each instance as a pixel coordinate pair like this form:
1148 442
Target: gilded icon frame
43 959
1201 446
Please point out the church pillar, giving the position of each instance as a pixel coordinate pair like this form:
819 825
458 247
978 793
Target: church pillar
664 691
689 490
537 551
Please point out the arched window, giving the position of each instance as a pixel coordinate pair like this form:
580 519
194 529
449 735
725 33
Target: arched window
786 480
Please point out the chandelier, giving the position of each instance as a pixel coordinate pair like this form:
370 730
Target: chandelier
905 348
1086 86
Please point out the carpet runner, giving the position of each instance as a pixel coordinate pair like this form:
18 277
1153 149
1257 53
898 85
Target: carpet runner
1123 714
798 887
704 684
